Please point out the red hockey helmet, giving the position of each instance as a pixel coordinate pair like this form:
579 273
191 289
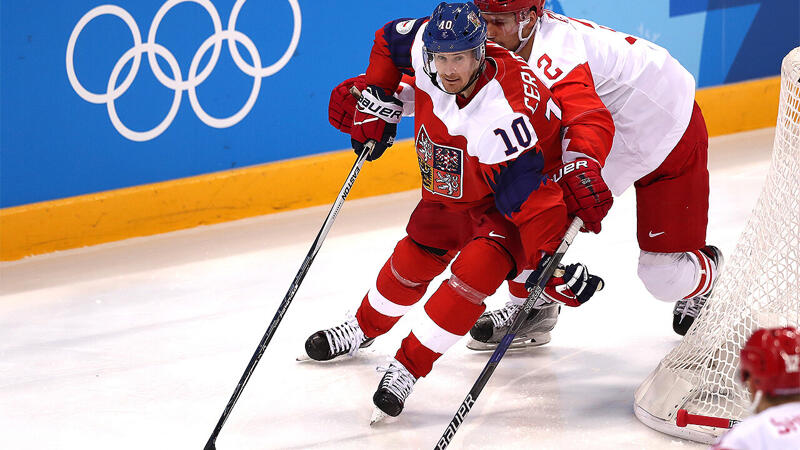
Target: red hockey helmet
510 6
771 360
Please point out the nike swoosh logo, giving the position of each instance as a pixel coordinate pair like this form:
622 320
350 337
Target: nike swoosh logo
652 235
493 234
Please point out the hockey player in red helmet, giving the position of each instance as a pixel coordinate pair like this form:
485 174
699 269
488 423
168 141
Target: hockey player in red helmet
660 146
513 17
770 368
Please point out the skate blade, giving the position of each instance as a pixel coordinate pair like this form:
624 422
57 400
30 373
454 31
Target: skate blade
377 416
534 340
360 353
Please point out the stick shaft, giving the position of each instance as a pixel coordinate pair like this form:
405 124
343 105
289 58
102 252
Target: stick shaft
488 370
287 300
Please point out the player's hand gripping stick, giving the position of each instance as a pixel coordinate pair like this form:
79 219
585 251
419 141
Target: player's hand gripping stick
287 300
535 293
570 285
375 119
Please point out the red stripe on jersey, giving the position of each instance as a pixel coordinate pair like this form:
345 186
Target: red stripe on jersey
589 125
582 22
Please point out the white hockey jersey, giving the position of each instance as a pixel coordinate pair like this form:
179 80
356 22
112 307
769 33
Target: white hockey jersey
649 94
776 428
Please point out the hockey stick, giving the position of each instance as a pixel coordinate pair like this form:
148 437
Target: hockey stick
262 346
684 418
483 378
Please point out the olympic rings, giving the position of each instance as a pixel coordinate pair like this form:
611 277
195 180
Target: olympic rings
177 83
216 39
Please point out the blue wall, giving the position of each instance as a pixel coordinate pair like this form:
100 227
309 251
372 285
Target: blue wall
54 143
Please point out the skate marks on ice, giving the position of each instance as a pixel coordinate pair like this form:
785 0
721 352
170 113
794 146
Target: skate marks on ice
133 342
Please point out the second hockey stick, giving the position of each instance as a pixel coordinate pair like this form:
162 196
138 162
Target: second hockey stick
488 370
262 346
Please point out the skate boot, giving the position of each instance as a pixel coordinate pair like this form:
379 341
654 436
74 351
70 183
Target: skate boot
394 388
493 325
344 339
686 310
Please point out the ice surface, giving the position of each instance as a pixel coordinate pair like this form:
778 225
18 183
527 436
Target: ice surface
140 343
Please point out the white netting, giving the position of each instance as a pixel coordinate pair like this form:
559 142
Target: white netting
759 287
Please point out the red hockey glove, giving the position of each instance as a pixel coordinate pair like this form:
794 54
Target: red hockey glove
585 193
572 285
342 105
376 117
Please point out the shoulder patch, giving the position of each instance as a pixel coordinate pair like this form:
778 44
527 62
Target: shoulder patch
405 26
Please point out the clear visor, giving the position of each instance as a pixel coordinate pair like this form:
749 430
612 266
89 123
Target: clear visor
462 62
506 23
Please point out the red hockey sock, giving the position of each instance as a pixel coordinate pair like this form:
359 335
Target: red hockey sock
401 282
455 307
449 317
417 358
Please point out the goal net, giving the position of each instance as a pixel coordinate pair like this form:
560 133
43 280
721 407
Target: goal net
758 287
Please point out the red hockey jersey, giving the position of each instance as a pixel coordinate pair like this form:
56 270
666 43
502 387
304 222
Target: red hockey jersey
500 144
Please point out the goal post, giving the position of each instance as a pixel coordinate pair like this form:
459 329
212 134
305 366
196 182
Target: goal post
758 287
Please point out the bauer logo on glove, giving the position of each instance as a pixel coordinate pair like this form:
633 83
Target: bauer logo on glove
585 192
572 285
569 167
369 104
375 119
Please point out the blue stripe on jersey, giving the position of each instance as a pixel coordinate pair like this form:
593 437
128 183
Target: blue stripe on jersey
399 35
516 180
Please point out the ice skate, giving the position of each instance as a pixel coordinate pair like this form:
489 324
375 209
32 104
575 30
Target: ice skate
686 310
344 339
493 325
394 388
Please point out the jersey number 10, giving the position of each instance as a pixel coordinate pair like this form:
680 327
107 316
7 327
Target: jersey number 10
521 132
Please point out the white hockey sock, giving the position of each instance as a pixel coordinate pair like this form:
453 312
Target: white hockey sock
673 276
